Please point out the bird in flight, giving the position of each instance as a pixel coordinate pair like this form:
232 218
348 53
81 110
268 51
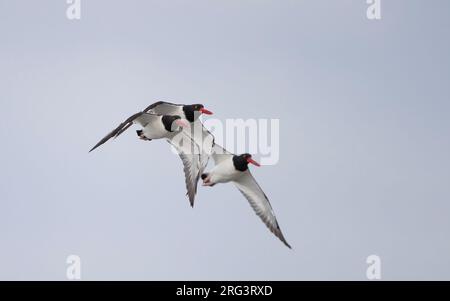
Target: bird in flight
180 125
235 169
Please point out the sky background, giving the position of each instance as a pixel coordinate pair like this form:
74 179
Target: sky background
364 139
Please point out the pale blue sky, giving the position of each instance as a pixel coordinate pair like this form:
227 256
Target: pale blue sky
364 164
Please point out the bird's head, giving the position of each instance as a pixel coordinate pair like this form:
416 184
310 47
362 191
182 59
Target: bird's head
194 111
241 162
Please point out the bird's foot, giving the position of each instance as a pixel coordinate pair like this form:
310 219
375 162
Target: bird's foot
207 180
141 135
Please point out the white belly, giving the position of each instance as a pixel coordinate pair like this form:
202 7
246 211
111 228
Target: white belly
224 172
155 132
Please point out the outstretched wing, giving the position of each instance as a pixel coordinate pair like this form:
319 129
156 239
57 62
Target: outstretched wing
189 153
260 203
194 146
205 141
141 118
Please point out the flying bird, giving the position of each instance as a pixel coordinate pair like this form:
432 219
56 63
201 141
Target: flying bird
234 168
154 126
187 141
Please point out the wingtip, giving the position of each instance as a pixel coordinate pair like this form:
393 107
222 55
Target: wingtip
191 199
283 240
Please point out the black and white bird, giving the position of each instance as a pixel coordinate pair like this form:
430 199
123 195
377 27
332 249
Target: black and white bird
234 168
188 112
189 141
154 126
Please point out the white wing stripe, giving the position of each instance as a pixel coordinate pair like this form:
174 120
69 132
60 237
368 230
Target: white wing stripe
248 186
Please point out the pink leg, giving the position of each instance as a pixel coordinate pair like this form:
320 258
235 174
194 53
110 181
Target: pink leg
207 182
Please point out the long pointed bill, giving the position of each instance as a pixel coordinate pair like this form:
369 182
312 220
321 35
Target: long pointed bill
251 161
182 123
205 111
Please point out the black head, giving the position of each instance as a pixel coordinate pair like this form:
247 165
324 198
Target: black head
241 162
193 112
168 122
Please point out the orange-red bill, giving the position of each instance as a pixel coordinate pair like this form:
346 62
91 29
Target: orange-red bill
250 160
205 111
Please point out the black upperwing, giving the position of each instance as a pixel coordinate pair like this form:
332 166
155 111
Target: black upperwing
119 130
164 108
